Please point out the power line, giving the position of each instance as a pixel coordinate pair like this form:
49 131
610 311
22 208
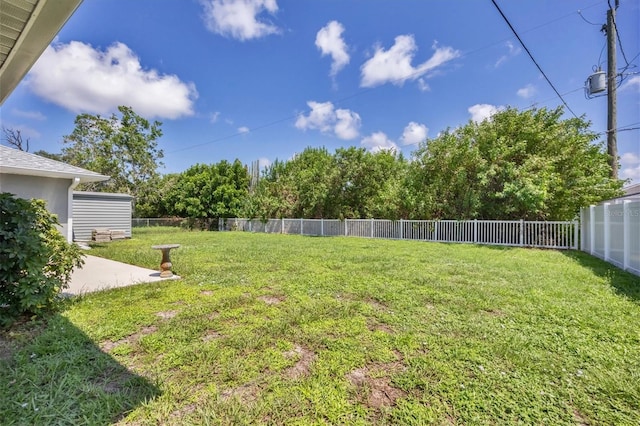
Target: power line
586 20
532 58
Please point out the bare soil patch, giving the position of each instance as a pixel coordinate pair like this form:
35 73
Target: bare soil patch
167 314
108 345
377 305
246 393
206 292
302 367
373 384
211 335
378 326
6 349
271 300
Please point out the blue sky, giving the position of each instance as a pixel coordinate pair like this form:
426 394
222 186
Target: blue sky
264 79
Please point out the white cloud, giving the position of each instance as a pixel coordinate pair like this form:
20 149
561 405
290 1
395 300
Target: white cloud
31 115
239 19
423 86
83 79
329 41
263 163
344 123
243 129
414 133
630 166
481 112
213 117
632 84
527 91
513 51
347 124
378 141
394 65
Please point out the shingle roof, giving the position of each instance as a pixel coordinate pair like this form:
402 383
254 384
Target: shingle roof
16 162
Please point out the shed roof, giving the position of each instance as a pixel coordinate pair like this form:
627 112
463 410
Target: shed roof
16 162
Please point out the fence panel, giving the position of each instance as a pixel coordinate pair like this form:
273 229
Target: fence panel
612 233
558 235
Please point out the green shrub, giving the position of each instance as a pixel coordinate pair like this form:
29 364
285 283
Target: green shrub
36 261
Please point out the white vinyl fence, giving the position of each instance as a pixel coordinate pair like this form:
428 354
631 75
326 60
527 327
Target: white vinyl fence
557 235
612 233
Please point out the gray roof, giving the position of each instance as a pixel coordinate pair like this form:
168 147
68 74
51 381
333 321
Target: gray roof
16 162
632 189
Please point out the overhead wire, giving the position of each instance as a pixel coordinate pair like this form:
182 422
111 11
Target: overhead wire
524 46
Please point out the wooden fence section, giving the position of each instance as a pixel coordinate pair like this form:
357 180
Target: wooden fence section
520 233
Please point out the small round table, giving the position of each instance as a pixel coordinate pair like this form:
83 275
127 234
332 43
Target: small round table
165 264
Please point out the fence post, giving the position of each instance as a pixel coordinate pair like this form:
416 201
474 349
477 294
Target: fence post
576 234
301 226
521 232
592 229
346 225
626 226
371 227
435 231
607 233
475 231
401 229
321 227
582 230
250 230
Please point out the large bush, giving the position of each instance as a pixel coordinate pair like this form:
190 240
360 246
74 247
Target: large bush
35 259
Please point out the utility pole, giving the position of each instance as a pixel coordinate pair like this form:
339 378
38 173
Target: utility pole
612 144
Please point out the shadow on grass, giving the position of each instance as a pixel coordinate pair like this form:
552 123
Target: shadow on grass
53 373
623 282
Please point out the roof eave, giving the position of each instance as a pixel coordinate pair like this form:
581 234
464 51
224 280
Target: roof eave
84 178
43 25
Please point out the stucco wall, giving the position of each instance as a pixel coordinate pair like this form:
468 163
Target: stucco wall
53 191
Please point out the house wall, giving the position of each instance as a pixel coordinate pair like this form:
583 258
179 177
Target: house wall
53 191
93 210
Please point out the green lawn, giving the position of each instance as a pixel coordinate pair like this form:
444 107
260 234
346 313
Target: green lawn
273 329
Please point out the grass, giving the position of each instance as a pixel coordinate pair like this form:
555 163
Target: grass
272 329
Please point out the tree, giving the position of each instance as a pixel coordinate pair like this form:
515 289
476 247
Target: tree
123 147
14 138
516 165
208 191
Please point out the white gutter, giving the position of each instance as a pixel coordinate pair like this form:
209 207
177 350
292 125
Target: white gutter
74 183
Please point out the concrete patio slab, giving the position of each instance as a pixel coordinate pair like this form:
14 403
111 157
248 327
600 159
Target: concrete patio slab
102 274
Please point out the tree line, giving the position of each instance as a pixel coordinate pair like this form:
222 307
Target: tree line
530 165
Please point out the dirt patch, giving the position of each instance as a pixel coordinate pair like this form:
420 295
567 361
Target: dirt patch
108 345
271 300
211 335
6 349
373 385
378 326
494 312
246 393
579 418
206 293
303 365
167 314
377 305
